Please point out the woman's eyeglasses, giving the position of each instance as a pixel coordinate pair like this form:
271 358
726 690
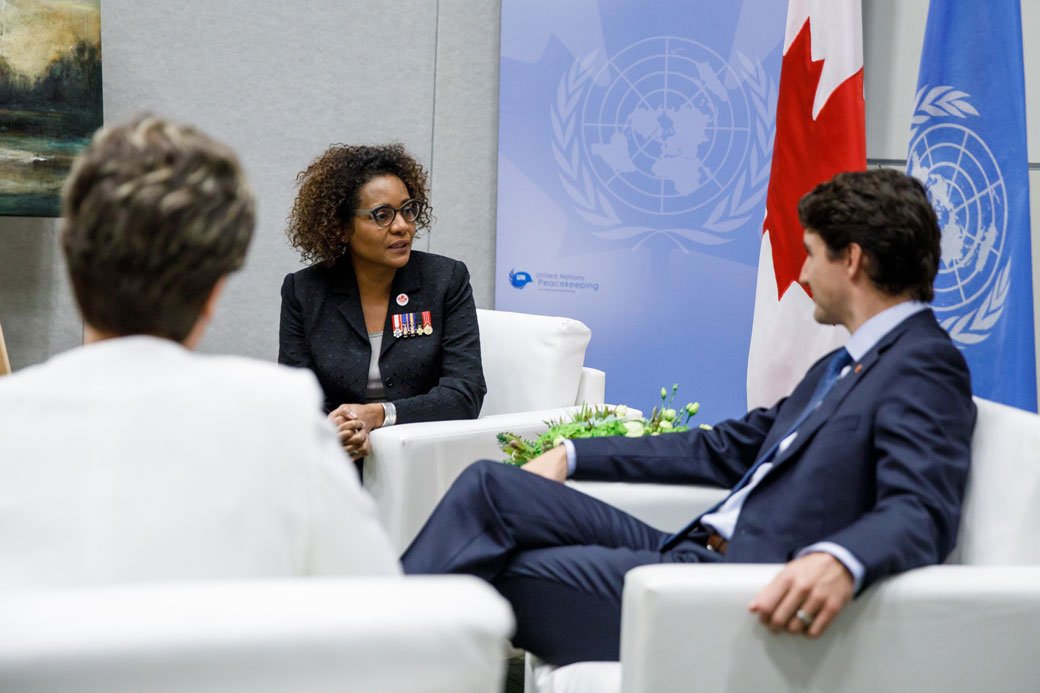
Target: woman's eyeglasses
384 215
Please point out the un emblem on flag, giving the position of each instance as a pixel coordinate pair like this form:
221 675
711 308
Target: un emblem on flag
664 129
966 188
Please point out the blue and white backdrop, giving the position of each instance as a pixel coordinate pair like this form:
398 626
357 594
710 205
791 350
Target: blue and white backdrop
635 141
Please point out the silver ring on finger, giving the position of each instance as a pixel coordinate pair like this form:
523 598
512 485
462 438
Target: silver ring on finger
805 618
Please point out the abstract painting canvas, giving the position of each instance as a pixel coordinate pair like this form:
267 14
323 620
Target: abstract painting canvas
50 98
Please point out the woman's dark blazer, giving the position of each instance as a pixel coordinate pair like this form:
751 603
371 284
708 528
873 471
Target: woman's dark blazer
428 378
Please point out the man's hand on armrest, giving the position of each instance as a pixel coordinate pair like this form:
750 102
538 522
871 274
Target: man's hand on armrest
806 595
551 464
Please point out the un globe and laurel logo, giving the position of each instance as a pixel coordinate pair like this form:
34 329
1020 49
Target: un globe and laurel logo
666 127
966 188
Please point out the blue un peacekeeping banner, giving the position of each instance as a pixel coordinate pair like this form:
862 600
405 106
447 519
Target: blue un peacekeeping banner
635 141
968 146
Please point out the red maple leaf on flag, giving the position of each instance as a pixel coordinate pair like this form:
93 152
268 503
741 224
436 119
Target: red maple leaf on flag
808 151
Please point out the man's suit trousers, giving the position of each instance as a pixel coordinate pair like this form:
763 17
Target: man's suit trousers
558 555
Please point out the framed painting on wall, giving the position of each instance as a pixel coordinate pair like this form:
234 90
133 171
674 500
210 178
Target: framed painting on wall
50 98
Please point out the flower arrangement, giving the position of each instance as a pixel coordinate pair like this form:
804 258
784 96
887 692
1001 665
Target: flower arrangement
597 421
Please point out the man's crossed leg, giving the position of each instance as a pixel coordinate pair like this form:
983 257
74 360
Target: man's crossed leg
558 555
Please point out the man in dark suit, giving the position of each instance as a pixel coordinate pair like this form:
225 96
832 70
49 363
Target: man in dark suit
858 474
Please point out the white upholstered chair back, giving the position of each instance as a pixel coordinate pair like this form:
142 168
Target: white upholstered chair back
1002 508
531 362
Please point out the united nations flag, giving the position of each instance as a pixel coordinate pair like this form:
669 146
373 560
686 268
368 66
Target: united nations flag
968 147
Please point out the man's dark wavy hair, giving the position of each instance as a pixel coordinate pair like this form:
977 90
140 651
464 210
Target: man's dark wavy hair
887 213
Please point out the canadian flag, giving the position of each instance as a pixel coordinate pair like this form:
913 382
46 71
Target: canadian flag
819 132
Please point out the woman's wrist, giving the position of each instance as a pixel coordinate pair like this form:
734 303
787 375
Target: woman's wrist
372 415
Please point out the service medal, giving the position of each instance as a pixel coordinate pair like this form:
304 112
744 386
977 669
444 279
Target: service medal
427 327
398 328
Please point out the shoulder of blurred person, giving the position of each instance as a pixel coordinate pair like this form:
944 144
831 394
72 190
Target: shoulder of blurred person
192 465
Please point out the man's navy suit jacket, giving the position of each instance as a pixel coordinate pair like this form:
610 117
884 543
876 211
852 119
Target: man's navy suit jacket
880 468
428 378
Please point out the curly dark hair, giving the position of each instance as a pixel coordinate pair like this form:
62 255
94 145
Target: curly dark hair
888 214
330 191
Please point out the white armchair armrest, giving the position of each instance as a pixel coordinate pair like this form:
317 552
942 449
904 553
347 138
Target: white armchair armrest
430 634
592 387
668 507
412 466
939 628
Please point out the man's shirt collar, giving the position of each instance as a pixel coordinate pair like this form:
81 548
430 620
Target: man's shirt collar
871 332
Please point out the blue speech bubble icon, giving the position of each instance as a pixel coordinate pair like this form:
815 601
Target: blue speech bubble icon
519 279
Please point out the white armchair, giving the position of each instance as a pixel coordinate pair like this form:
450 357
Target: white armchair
429 634
972 624
534 368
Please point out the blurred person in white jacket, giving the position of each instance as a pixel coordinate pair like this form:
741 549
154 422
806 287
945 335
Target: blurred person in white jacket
134 458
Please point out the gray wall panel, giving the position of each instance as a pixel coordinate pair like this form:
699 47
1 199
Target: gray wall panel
465 139
893 31
1031 58
37 311
279 82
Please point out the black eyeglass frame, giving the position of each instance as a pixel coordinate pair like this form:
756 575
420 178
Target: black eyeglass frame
419 206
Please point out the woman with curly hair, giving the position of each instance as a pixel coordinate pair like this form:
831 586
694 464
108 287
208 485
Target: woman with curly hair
390 332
